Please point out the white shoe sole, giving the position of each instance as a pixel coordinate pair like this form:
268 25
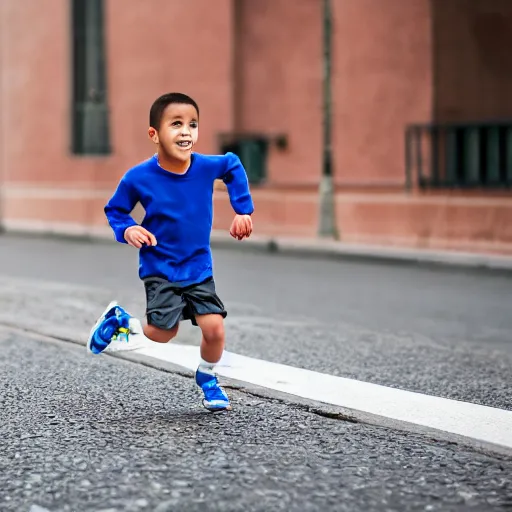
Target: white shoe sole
98 322
219 407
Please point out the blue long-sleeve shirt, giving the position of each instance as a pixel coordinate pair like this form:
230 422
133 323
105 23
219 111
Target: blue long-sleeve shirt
179 212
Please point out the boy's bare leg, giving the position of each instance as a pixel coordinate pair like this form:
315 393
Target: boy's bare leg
213 340
160 335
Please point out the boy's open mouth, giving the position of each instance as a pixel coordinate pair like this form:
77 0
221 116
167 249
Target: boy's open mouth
185 144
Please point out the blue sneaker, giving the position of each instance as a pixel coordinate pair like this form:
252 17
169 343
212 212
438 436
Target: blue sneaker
215 398
113 324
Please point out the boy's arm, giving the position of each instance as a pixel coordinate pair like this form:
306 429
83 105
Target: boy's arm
119 207
235 178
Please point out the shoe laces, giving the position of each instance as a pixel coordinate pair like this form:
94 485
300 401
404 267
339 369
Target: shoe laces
212 390
121 334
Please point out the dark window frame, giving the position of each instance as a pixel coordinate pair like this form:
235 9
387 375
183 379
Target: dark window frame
89 110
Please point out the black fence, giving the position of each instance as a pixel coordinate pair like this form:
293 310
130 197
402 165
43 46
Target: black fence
469 155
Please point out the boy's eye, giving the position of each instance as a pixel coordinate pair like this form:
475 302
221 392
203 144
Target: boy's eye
176 123
193 125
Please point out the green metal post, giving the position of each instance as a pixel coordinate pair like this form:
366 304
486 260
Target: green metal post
327 227
3 111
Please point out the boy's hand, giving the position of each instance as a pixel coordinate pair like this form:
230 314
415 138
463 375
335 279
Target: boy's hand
241 227
137 236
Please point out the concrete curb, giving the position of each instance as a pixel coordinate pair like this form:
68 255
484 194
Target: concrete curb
301 247
341 251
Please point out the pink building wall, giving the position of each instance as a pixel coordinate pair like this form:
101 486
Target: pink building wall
260 74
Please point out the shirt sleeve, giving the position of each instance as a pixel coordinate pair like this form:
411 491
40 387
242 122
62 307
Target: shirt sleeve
235 178
119 207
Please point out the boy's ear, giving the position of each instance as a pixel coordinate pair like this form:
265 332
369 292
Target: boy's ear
153 135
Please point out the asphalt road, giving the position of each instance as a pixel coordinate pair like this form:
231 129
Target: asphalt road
446 332
83 433
96 433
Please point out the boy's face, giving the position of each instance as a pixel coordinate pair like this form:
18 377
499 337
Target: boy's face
178 131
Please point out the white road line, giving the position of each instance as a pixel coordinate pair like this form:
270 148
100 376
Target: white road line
484 424
37 508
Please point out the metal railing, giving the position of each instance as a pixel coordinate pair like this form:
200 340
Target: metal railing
459 155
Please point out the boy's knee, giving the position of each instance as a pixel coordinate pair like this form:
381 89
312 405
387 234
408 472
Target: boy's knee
214 331
160 335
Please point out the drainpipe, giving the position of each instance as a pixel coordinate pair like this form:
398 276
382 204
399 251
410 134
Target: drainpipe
327 225
3 114
236 13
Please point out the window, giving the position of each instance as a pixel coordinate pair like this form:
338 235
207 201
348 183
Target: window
252 152
90 124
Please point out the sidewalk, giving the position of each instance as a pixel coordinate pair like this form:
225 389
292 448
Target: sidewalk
340 250
305 247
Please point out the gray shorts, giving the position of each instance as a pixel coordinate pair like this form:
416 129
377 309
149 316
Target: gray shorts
167 304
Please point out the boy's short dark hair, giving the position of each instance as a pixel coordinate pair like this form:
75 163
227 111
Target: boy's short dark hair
160 104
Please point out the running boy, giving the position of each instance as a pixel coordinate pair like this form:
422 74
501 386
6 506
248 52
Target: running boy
175 187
